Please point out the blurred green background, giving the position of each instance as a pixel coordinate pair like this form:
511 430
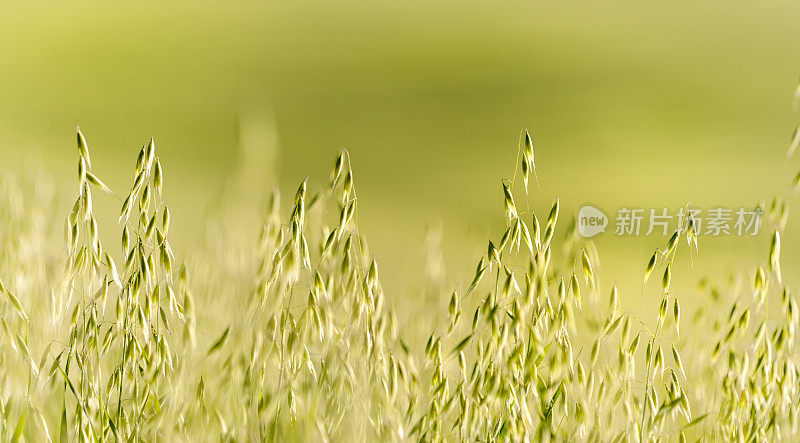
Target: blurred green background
630 103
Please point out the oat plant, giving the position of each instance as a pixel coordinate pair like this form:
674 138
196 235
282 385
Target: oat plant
293 338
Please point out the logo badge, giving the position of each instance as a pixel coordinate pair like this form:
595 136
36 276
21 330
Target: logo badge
591 221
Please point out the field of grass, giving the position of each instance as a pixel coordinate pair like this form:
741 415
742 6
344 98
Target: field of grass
329 236
126 346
